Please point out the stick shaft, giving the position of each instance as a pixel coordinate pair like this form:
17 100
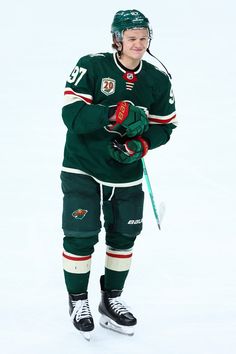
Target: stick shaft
151 194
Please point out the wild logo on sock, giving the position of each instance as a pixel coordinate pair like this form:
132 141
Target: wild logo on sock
79 213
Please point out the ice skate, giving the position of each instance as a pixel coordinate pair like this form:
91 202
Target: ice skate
80 314
115 315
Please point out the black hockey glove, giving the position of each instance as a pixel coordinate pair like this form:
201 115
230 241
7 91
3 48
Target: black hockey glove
129 120
131 151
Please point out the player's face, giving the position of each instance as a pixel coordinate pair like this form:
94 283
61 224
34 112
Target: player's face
135 44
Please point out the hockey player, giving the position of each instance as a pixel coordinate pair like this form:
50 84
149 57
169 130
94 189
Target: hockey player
117 108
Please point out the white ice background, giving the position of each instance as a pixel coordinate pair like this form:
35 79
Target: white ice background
182 284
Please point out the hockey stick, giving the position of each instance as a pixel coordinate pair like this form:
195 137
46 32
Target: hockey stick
158 218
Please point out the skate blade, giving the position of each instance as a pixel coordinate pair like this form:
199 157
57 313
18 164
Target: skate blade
86 335
108 323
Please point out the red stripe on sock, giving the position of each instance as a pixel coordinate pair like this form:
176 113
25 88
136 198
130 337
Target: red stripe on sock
114 255
85 258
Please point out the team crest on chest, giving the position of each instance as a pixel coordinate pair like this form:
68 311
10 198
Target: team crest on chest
108 86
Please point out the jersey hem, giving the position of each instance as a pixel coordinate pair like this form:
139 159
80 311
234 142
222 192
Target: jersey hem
109 184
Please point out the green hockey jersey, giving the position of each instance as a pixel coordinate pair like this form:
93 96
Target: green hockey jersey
95 86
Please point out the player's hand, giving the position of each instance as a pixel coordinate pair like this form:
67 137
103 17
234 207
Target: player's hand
128 120
130 151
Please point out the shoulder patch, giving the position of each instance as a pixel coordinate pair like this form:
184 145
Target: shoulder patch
108 86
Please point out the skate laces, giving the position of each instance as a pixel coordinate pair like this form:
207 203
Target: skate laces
81 310
118 306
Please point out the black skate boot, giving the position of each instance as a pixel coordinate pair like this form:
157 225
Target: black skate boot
115 315
80 314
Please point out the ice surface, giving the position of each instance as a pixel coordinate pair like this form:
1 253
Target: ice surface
182 283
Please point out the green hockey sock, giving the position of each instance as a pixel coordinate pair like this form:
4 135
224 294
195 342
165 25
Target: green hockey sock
76 272
116 268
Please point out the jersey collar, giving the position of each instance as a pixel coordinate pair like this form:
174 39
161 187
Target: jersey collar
123 69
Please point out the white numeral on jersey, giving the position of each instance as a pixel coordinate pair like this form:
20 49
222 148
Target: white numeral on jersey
172 97
74 75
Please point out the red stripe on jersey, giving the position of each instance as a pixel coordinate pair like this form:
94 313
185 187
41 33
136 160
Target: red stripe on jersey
71 92
162 121
85 258
114 255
